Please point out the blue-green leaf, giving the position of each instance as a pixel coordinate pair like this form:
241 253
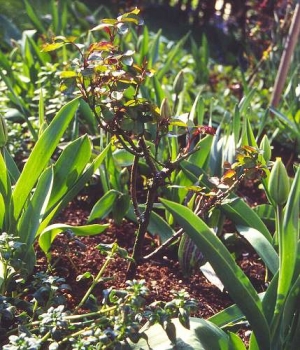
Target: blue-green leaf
48 235
40 156
104 205
262 247
233 278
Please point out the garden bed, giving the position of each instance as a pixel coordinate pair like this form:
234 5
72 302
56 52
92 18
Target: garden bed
73 256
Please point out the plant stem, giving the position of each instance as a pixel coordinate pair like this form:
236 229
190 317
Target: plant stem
144 219
95 281
133 182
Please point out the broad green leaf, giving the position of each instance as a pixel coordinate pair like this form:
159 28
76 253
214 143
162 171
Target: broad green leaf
104 205
89 117
154 49
291 313
32 216
80 183
262 247
123 158
18 101
35 208
69 167
191 171
2 213
248 138
48 235
295 341
120 207
34 17
171 56
55 16
233 278
241 214
230 315
267 213
288 254
5 195
211 276
5 184
293 127
236 342
202 335
216 154
198 105
157 225
40 156
26 51
245 101
200 157
42 57
159 92
144 45
236 124
12 168
41 112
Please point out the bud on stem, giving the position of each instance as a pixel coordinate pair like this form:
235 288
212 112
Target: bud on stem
266 148
165 110
178 83
279 184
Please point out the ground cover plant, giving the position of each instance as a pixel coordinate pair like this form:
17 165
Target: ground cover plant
161 156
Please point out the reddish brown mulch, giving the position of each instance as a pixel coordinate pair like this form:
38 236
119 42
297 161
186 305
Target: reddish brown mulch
72 257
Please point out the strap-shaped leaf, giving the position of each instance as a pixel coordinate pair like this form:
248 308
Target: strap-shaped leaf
12 168
72 192
288 254
241 214
48 235
104 205
40 156
262 247
32 216
69 167
34 18
291 314
202 335
233 278
171 56
5 193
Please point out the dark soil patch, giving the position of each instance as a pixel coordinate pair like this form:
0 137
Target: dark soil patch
74 256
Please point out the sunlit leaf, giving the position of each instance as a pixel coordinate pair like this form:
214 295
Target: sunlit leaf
104 206
102 26
68 74
52 46
48 235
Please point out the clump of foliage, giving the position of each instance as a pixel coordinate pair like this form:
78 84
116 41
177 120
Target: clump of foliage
110 81
188 173
46 321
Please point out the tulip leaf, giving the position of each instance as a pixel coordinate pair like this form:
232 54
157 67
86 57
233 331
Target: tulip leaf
104 205
262 246
230 274
48 235
41 155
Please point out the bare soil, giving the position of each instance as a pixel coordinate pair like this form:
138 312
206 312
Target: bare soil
74 256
